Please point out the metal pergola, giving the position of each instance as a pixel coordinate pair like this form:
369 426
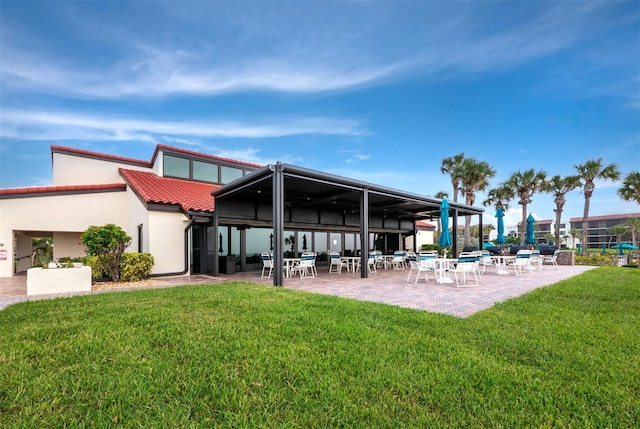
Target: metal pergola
283 195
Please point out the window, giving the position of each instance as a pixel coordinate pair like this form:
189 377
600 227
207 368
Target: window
176 167
205 171
229 174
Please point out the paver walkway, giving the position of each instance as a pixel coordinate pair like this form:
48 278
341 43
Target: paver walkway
385 286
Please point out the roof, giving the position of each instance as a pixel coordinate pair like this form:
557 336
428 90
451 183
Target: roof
315 190
42 191
607 217
423 224
98 155
153 189
159 147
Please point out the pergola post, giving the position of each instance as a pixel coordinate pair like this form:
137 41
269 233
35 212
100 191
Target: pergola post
364 233
278 223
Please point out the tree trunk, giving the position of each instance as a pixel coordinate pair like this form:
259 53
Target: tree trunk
585 216
523 225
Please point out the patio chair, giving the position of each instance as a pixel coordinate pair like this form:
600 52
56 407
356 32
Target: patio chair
421 266
521 262
336 263
551 259
485 261
535 260
267 264
306 267
466 265
371 263
398 260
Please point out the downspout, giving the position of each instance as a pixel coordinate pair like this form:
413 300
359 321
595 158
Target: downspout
186 253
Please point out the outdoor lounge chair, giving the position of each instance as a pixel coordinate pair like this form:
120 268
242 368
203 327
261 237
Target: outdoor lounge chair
426 265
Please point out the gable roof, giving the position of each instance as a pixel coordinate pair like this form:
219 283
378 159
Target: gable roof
187 194
44 191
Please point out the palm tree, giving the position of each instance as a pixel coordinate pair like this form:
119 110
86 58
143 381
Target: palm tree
474 176
630 190
634 226
524 185
589 171
451 166
499 197
575 234
619 231
559 187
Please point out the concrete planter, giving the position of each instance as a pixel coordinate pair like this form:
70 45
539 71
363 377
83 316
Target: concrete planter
58 280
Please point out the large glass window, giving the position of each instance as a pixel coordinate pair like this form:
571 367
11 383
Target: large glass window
320 243
205 171
229 174
304 243
176 167
335 239
259 240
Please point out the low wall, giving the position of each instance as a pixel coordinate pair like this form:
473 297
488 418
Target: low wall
566 258
58 280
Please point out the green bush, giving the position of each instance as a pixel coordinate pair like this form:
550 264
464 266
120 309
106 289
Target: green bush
135 266
429 247
596 259
98 266
109 241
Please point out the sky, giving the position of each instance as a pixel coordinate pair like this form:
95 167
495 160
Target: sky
376 91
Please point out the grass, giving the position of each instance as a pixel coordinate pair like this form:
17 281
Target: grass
244 355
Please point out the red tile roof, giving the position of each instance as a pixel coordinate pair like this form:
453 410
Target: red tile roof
63 149
190 195
423 224
63 189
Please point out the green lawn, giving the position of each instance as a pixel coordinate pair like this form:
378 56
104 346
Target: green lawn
244 355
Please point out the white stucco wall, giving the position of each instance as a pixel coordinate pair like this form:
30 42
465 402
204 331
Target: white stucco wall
67 244
77 170
138 215
166 241
70 214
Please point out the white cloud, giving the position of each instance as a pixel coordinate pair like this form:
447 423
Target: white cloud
40 125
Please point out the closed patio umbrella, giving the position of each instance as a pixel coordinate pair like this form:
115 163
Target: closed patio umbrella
531 237
501 239
445 238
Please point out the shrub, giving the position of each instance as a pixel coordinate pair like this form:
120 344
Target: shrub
109 241
429 247
596 259
98 267
135 266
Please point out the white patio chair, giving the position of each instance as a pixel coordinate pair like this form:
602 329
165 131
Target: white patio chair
535 260
306 266
485 261
267 264
371 263
521 262
466 265
398 260
551 259
336 263
418 268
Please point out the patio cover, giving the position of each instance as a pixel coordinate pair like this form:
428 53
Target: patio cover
286 196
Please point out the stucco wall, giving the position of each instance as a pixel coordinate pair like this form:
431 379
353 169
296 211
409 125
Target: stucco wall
166 241
61 213
76 170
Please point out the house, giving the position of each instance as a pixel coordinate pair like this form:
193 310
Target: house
203 214
161 203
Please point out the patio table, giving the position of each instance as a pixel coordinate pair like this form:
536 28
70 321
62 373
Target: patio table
501 263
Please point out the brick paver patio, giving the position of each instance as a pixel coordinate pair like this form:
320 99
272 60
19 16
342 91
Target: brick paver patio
384 286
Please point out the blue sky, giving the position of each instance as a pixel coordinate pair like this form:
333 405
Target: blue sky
378 91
